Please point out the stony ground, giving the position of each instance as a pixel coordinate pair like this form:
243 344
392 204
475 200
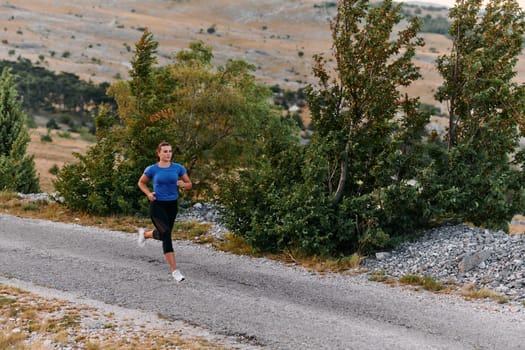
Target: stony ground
217 280
464 255
48 319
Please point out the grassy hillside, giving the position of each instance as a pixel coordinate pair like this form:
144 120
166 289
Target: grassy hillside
95 38
53 154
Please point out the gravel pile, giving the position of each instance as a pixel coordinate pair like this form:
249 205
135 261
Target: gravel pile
462 254
205 213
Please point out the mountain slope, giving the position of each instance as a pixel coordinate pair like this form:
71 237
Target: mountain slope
95 38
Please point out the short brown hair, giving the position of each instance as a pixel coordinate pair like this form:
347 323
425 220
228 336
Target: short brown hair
162 144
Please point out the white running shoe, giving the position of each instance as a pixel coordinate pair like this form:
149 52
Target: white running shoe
141 241
178 276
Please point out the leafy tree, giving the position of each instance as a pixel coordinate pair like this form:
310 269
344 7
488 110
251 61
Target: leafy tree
210 115
340 193
355 112
479 178
17 169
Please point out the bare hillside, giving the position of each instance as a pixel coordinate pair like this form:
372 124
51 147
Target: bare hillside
95 38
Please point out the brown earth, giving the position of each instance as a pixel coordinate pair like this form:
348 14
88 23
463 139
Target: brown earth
97 37
55 153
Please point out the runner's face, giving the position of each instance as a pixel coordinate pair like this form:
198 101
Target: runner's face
165 153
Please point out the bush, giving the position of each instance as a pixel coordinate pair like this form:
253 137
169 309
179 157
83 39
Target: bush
282 205
487 192
438 25
100 182
54 169
46 138
52 124
276 213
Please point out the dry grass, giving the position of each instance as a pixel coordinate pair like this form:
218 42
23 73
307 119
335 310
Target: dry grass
56 153
192 231
13 205
517 227
428 283
470 291
29 321
235 245
348 264
268 34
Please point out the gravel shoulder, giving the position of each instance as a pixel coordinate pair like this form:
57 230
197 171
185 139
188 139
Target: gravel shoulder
255 302
97 324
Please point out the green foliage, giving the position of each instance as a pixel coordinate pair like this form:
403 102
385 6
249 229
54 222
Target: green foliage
46 92
17 170
480 178
430 110
52 124
54 169
268 206
438 25
332 197
100 182
103 181
46 138
210 115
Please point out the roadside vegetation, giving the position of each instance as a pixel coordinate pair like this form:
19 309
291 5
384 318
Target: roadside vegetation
369 177
430 284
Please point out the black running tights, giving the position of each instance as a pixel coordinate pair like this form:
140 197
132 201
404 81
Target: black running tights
163 216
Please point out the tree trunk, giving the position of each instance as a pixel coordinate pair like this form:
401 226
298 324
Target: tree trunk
342 178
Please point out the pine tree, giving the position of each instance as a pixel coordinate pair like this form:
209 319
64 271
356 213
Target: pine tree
17 170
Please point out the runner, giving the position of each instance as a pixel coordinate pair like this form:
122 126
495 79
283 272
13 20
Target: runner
166 177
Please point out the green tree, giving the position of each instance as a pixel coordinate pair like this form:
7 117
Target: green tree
355 112
479 178
17 169
210 115
342 193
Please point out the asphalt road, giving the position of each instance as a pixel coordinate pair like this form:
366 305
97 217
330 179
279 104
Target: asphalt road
262 302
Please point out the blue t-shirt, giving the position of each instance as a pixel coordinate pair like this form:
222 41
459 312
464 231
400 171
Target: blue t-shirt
165 180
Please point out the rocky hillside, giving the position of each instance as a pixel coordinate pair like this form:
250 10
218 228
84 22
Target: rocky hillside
95 38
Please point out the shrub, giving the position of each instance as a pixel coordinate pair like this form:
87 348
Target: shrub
52 124
54 169
46 138
100 182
